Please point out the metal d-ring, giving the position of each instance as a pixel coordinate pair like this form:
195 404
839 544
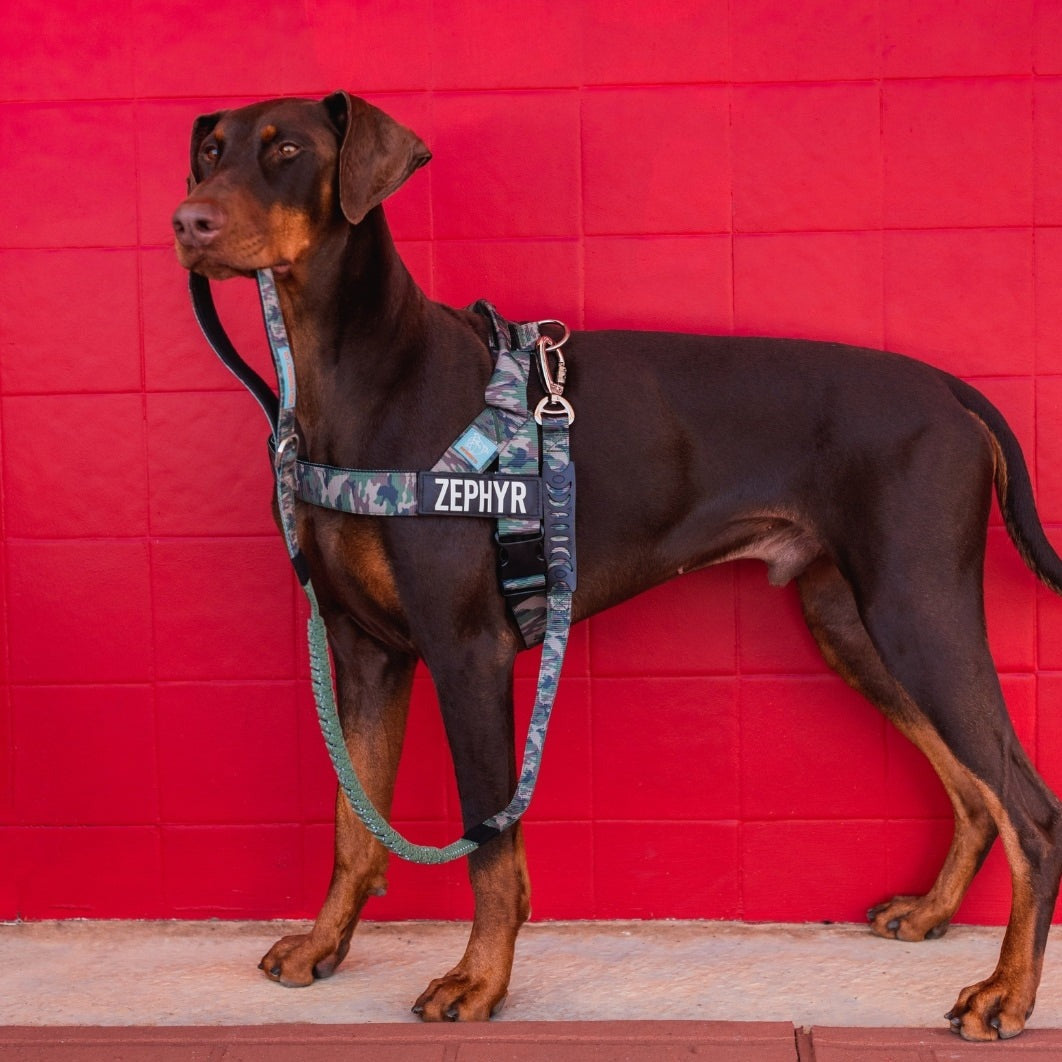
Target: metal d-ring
291 439
562 405
555 344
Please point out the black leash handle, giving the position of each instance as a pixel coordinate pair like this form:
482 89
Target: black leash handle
207 315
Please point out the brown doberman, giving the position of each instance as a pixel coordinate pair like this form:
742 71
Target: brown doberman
865 477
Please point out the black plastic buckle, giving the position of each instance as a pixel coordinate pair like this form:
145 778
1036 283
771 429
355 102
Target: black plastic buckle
521 563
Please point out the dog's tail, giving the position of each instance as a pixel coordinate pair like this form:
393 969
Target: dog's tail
1013 488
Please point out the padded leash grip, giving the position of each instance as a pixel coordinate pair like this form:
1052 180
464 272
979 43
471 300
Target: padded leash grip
206 314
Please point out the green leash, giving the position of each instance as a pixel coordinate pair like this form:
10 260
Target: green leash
376 491
332 732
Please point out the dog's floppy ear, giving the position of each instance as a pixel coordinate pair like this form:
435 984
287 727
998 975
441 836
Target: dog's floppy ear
201 129
376 154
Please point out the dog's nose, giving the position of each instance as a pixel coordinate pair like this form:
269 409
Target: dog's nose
197 224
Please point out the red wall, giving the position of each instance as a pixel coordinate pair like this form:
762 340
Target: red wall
877 172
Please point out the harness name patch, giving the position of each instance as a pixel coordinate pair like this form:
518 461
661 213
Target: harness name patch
478 495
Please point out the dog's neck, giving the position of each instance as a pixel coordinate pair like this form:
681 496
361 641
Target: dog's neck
357 326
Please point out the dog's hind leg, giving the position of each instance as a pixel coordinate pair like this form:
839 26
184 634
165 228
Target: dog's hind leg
833 618
476 702
923 610
927 917
373 687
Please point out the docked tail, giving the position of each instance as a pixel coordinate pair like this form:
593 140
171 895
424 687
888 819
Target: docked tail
1013 488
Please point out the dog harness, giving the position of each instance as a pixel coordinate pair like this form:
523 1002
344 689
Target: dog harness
531 495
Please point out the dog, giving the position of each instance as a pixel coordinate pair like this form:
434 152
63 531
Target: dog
862 476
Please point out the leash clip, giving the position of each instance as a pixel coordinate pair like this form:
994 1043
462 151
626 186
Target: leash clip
546 345
554 403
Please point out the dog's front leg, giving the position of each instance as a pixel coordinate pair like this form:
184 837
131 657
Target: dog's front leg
477 709
373 686
476 987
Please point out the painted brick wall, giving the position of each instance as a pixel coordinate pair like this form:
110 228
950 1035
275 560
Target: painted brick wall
883 172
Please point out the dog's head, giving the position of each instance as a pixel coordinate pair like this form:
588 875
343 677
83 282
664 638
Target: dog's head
272 180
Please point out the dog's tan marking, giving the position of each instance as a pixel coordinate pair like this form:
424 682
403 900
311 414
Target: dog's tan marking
1000 1005
291 231
919 917
475 988
834 621
374 725
366 556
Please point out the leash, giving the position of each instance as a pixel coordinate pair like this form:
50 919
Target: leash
535 514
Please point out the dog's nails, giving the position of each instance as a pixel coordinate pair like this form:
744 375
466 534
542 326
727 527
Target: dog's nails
893 924
451 1014
418 1009
274 971
996 1024
261 965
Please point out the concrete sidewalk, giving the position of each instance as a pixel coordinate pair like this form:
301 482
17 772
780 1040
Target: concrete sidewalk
204 973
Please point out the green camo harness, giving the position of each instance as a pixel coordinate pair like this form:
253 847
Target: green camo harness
535 514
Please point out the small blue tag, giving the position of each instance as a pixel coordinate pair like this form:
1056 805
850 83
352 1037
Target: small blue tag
475 448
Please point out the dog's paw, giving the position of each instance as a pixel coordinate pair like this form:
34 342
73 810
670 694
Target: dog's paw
459 997
908 918
990 1010
296 961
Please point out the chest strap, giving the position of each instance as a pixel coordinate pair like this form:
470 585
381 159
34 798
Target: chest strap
505 434
505 431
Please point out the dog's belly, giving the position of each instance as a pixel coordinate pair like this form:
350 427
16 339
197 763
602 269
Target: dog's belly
783 544
785 547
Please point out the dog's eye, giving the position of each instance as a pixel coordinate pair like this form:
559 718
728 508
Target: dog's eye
288 150
211 153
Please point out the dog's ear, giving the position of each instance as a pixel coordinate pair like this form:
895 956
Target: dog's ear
376 154
201 129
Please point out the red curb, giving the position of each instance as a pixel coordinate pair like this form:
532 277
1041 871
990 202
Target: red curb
636 1041
926 1045
512 1042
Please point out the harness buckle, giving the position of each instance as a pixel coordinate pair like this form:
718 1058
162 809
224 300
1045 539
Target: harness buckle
521 563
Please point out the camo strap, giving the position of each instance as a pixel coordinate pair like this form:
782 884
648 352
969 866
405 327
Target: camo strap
559 479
